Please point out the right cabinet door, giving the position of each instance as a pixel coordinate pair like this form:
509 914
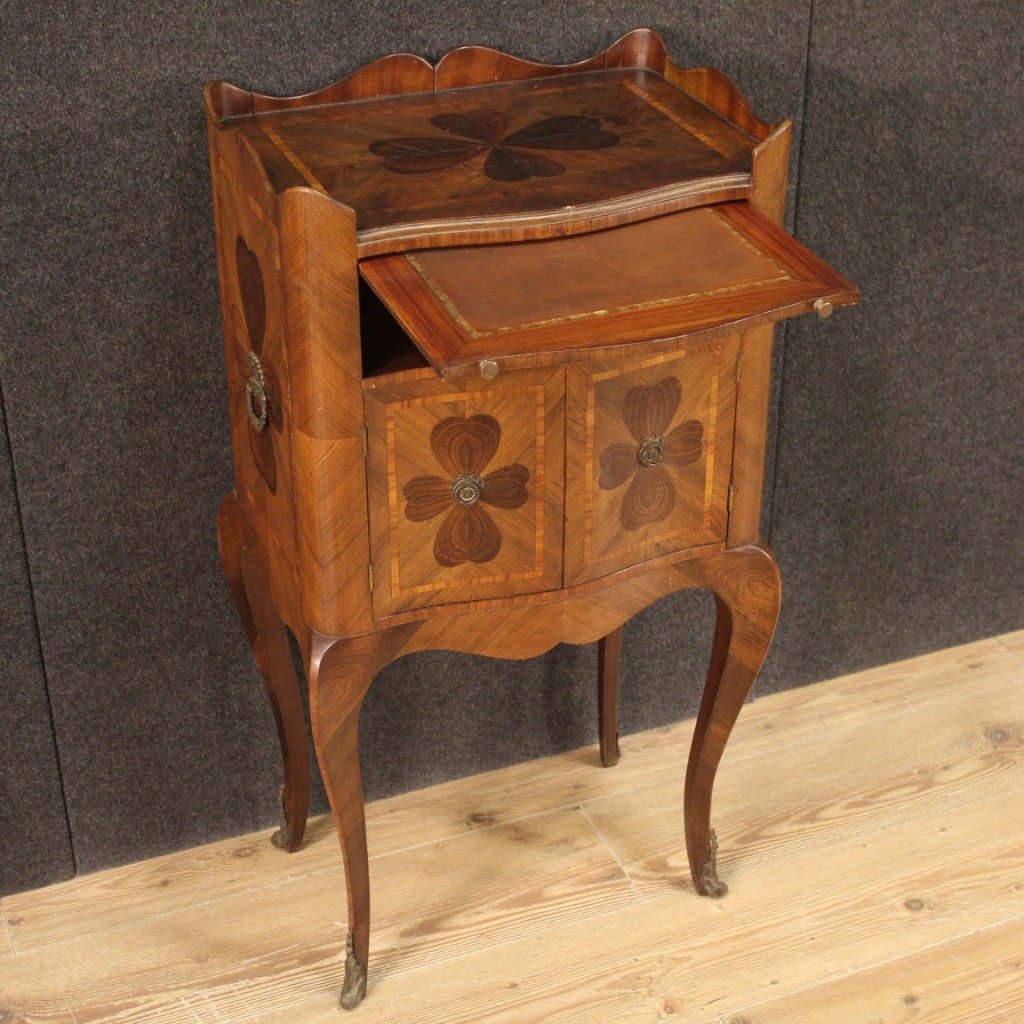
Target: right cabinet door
648 456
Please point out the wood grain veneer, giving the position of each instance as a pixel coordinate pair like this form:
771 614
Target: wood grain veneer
422 166
685 137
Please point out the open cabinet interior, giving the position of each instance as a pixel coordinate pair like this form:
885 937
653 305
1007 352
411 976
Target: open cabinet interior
386 348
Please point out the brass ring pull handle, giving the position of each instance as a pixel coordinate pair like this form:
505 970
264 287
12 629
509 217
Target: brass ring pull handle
652 450
256 404
467 489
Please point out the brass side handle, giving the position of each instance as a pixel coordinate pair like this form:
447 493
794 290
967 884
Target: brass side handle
256 404
823 308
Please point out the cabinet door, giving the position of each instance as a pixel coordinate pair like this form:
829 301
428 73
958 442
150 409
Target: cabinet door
465 487
648 451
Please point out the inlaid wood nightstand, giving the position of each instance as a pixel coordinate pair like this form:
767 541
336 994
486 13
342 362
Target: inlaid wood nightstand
498 339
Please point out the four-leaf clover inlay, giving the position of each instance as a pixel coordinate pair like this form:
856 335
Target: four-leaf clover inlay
248 341
510 155
465 447
648 412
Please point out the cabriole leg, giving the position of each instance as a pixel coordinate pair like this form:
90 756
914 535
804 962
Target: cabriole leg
609 651
747 597
340 673
274 658
269 643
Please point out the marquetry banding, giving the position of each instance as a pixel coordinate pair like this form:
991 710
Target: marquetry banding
294 159
241 194
687 126
324 554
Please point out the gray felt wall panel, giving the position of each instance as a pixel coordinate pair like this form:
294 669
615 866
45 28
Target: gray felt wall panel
35 847
899 488
117 407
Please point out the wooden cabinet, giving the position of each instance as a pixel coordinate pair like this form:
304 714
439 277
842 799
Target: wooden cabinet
498 342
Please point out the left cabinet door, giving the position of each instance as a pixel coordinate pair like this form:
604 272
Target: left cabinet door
465 482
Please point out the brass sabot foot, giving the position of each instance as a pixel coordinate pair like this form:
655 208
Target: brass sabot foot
354 987
710 884
282 838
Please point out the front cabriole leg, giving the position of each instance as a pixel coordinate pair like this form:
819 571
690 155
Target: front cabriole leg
748 593
340 672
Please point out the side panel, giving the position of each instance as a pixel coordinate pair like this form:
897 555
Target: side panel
466 488
321 289
249 262
649 444
753 398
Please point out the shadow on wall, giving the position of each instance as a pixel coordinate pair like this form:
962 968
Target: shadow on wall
463 710
895 513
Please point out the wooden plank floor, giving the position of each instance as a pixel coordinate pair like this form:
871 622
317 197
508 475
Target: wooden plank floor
872 833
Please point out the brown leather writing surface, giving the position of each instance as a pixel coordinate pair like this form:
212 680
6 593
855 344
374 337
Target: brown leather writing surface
668 260
565 298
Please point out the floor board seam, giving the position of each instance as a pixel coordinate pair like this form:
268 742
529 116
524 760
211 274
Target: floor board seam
1016 651
159 914
7 928
735 757
879 964
504 823
604 842
513 940
652 780
295 877
884 820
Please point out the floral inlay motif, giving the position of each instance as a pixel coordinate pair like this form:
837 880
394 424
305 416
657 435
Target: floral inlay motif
648 412
486 131
248 349
464 448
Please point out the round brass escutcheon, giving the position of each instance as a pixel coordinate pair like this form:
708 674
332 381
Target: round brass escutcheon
652 450
256 403
488 369
466 489
823 308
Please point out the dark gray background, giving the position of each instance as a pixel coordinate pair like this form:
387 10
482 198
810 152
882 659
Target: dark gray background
133 721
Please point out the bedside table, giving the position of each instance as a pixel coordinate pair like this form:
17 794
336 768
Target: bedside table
498 339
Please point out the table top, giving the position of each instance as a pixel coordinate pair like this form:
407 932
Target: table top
421 167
